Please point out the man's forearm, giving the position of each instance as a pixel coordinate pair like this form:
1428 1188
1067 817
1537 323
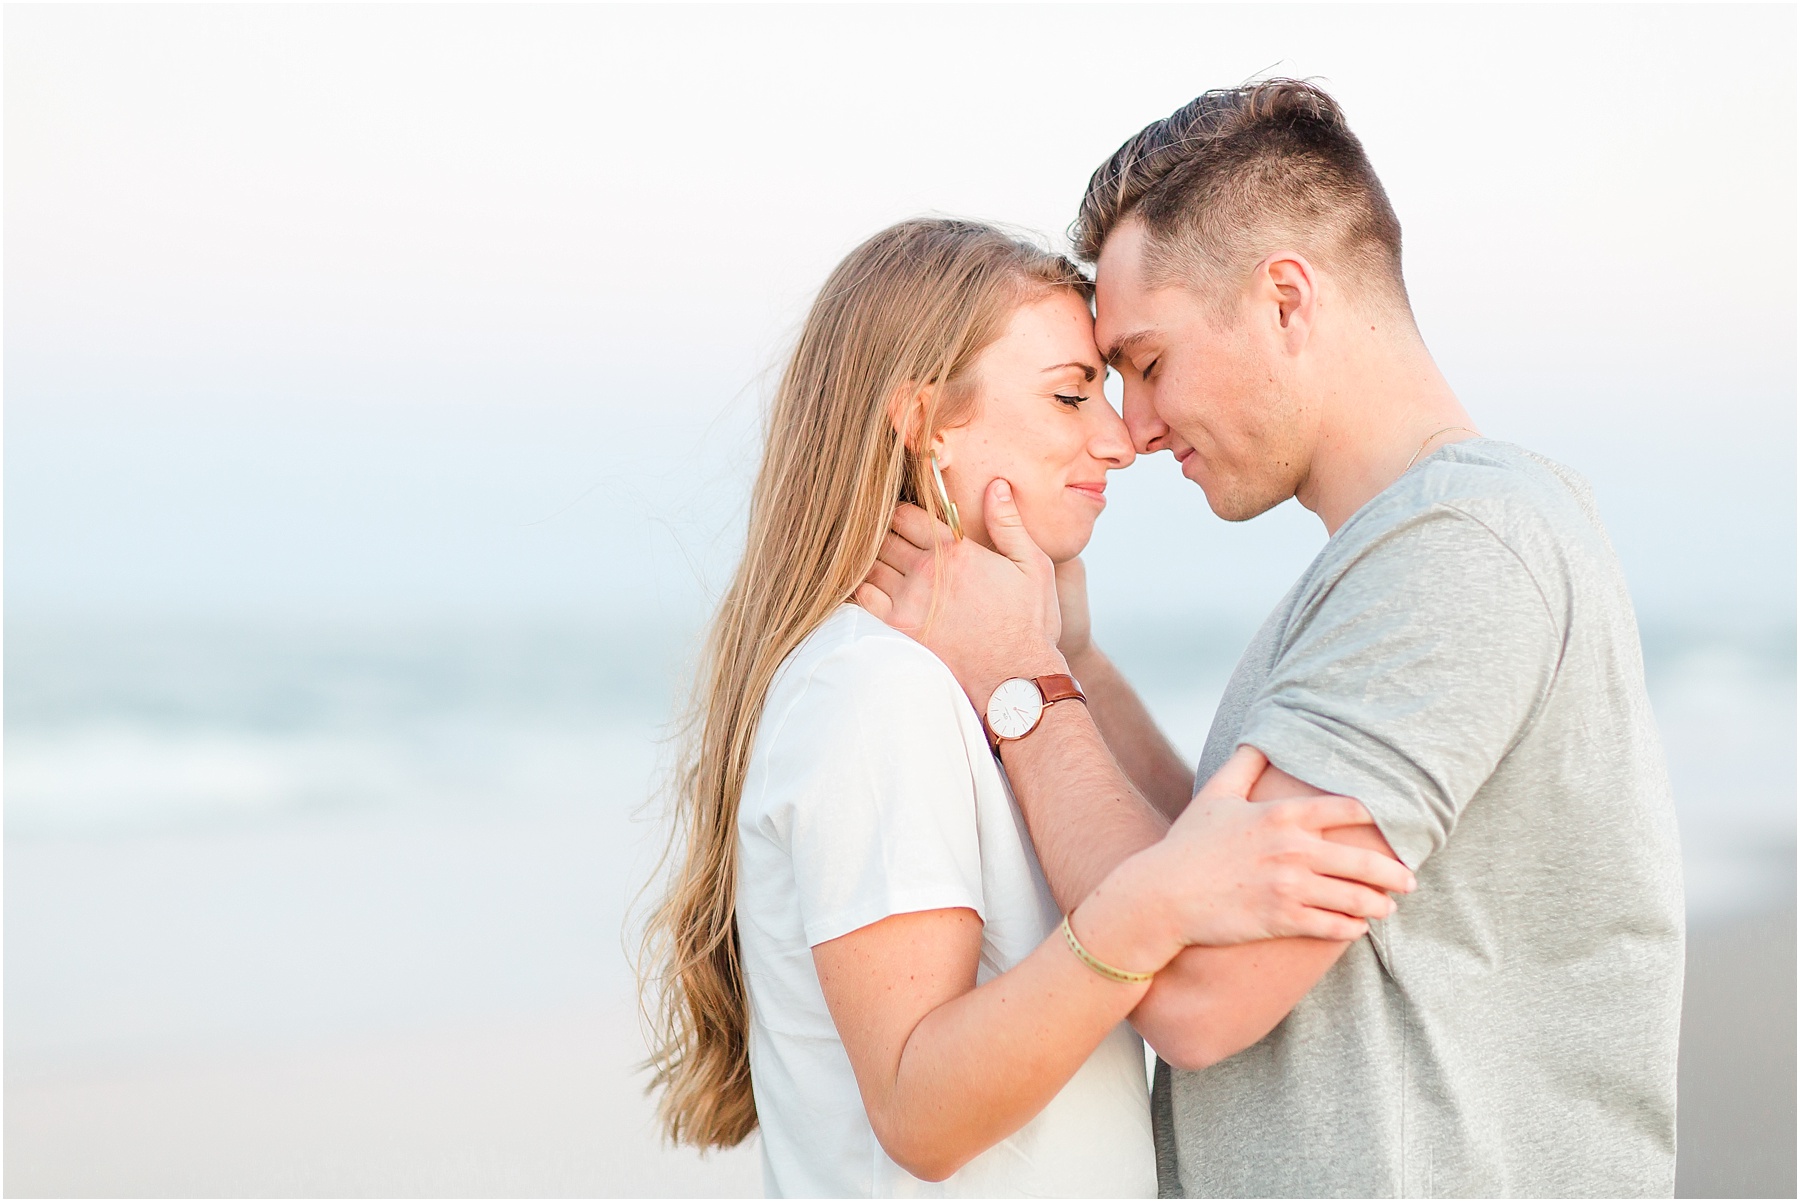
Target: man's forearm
1083 813
1131 734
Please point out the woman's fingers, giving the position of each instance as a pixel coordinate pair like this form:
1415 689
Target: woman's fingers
1326 924
1326 810
1346 897
1367 867
1237 775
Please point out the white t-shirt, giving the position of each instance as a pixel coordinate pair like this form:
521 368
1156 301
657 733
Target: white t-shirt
871 791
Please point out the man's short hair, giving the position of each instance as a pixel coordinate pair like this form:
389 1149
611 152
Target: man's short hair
1239 173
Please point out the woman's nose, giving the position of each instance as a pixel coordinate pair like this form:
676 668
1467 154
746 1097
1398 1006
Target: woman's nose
1113 443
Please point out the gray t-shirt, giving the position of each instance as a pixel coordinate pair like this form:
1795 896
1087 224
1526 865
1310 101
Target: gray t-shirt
1462 657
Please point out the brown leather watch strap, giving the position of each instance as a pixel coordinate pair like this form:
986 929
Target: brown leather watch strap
1059 686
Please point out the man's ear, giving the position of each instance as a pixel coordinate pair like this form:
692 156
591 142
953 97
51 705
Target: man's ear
1288 281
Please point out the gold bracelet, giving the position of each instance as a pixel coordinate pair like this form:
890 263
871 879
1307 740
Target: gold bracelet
1098 965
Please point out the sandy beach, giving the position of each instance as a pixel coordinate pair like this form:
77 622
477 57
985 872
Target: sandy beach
282 1019
192 1083
1736 1121
535 1107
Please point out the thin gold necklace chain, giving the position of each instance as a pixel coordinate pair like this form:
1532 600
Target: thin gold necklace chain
1427 442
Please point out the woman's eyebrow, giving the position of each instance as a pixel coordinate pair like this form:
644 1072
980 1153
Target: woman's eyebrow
1087 369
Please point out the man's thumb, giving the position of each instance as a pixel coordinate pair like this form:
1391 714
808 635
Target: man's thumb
1237 775
1005 527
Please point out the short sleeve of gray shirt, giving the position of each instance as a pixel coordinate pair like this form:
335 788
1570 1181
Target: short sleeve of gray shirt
1438 617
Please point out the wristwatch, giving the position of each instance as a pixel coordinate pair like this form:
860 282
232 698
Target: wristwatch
1017 705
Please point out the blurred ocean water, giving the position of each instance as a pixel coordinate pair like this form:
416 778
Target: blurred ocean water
130 730
255 873
115 730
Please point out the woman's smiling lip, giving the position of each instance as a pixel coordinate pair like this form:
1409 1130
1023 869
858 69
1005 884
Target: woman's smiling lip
1096 492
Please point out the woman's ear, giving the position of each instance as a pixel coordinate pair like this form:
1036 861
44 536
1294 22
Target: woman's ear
940 447
906 412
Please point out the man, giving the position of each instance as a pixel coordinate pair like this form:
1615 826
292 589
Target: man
1461 657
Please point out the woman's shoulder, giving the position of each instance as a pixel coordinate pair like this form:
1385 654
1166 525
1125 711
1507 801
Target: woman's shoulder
854 653
862 793
857 687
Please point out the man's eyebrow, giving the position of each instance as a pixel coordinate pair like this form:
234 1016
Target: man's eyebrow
1087 369
1126 345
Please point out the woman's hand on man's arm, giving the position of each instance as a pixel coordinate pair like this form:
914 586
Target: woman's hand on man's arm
1211 1003
947 1069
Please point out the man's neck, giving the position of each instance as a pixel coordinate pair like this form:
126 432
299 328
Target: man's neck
1383 407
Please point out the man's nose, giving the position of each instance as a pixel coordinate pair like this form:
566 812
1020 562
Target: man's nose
1147 431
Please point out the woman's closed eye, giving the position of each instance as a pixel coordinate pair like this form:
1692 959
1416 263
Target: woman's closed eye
1073 402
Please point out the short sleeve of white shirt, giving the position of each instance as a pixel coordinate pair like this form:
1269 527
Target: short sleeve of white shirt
876 801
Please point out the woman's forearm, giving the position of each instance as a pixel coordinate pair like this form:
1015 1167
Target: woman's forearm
981 1065
979 1068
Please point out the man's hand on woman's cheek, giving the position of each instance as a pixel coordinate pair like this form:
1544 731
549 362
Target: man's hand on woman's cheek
989 615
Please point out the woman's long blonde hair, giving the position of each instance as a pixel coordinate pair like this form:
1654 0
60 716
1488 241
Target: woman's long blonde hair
903 316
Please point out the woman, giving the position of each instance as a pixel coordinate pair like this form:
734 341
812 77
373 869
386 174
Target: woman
857 948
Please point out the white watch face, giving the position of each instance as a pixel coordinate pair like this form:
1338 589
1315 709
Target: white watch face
1014 708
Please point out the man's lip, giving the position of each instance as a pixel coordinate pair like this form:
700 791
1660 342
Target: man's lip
1181 456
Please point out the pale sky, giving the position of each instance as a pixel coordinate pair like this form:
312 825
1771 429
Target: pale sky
347 311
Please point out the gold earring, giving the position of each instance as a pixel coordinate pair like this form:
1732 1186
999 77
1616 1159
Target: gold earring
937 474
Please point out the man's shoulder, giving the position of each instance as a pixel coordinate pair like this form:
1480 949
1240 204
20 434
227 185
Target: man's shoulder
1539 510
1511 487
